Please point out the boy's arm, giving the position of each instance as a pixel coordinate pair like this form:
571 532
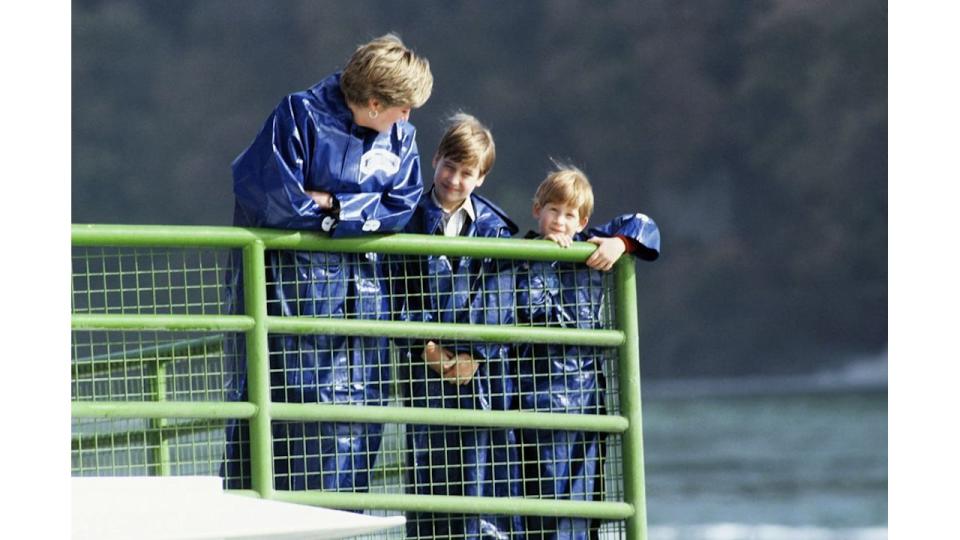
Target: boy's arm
633 233
494 300
607 252
497 301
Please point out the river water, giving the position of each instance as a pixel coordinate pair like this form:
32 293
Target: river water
766 459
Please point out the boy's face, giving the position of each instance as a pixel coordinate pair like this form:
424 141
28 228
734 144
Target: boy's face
454 182
558 218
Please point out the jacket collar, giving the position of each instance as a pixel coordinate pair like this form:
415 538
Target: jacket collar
487 221
329 94
467 206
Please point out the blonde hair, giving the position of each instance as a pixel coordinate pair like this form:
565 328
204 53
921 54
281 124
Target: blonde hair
468 142
386 70
566 185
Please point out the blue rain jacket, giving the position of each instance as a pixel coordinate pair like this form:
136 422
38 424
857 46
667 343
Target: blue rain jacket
452 460
310 142
568 378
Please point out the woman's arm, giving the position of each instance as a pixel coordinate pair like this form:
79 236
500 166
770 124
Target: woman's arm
387 211
269 175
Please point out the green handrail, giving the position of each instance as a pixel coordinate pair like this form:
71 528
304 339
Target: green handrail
327 412
392 244
352 327
260 411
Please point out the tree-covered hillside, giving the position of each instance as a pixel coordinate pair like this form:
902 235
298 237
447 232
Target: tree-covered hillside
753 132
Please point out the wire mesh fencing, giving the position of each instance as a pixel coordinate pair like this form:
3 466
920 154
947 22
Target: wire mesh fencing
476 395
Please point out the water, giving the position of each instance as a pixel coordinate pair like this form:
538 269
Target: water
766 459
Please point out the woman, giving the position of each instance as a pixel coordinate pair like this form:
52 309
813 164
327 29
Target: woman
339 157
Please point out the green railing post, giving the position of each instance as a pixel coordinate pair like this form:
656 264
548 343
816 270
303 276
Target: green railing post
630 407
258 369
158 424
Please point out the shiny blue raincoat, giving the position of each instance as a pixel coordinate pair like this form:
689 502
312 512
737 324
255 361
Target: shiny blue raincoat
451 460
567 465
310 142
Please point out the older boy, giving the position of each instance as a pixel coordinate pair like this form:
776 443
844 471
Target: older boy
564 378
449 460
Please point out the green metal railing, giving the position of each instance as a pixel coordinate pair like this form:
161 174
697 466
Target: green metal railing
256 326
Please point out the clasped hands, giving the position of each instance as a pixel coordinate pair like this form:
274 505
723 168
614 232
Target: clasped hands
452 368
324 199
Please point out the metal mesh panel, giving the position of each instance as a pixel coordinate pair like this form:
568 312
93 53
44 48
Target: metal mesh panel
603 530
149 366
148 280
146 447
355 457
374 286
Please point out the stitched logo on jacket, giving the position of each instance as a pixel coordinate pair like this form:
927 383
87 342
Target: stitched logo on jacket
378 159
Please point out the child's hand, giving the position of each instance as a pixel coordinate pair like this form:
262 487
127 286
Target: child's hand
607 252
561 239
324 199
437 358
462 370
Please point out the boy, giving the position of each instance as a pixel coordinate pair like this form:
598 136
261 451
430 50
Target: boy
449 460
566 378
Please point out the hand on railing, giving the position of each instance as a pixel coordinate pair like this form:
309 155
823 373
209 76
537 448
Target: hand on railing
454 369
607 253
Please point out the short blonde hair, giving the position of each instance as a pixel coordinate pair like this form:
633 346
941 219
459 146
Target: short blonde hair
468 142
386 70
566 185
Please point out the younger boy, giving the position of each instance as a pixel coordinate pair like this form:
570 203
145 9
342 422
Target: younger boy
568 465
450 460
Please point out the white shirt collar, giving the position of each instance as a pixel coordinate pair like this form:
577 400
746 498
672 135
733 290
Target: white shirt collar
453 221
467 206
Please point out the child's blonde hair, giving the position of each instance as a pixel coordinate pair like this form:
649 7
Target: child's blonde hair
385 69
566 185
468 142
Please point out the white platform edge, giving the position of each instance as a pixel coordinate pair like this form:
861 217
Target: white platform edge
196 508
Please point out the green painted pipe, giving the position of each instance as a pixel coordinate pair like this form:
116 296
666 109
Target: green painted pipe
448 504
167 409
162 451
462 332
258 368
172 323
447 417
392 244
630 403
161 236
351 327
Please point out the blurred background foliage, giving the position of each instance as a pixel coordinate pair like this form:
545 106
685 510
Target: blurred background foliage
753 132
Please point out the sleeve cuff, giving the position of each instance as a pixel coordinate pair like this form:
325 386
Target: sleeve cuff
629 243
